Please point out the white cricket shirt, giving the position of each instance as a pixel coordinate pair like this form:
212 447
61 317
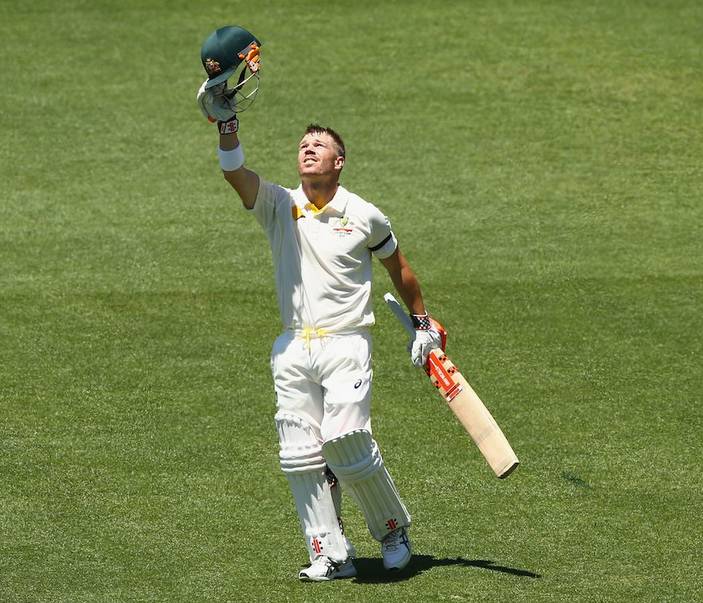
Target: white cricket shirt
322 258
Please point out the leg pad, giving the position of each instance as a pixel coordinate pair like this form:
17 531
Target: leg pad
356 461
301 448
302 462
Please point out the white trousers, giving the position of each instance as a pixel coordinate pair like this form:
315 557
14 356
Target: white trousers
326 380
323 390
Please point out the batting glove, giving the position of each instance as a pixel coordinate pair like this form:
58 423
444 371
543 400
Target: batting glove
215 103
427 338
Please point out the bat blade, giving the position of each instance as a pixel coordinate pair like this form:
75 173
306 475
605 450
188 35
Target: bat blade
465 404
472 413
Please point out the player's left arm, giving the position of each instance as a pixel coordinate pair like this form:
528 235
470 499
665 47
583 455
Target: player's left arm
383 244
405 281
426 337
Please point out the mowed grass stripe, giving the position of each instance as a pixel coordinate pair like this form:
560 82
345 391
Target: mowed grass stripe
539 162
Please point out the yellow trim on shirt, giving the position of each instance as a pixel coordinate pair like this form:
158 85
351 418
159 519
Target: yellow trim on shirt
313 209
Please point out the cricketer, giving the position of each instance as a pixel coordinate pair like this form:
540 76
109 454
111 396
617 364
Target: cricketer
322 239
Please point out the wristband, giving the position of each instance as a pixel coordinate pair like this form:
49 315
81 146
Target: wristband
421 322
231 160
231 126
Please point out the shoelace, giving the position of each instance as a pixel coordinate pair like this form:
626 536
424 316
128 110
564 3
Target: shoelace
393 541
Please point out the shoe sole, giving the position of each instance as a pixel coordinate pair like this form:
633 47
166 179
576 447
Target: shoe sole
399 566
340 574
305 578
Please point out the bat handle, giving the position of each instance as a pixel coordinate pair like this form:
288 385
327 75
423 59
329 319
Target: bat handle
400 314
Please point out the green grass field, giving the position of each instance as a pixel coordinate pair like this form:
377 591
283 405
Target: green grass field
541 164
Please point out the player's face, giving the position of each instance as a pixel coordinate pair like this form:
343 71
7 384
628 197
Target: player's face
318 156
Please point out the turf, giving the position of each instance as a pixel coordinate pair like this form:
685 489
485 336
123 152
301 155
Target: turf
540 162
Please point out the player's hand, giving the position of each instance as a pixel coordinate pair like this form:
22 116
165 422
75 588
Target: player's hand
215 103
423 343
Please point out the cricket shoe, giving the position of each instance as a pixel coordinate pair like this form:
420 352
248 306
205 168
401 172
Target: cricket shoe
323 569
396 550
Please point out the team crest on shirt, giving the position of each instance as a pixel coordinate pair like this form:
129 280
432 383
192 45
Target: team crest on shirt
342 227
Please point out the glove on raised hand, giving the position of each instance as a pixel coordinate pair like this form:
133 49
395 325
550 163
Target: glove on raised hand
427 338
215 103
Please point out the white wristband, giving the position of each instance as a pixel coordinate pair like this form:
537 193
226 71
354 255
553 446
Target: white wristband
231 160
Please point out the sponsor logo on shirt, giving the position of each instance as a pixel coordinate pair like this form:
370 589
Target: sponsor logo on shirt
343 228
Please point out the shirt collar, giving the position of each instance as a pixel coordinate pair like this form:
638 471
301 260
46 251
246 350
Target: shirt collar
336 205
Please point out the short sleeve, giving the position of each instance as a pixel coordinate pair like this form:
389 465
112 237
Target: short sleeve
382 241
268 198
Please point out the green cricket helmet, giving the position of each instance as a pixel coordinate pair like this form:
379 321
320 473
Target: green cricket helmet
230 51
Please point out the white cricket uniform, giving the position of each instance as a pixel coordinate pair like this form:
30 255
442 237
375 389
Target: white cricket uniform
321 363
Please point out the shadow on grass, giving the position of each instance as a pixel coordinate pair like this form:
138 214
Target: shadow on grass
371 571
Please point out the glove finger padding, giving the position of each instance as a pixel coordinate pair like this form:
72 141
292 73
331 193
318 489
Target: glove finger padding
424 342
437 326
215 104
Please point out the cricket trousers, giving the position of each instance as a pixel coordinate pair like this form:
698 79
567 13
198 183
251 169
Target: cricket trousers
326 380
323 395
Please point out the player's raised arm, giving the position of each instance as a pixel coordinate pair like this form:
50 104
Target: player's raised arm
243 180
227 52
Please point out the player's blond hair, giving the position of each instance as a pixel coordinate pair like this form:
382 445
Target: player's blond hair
318 129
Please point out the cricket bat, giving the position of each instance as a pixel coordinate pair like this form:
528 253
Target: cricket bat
465 403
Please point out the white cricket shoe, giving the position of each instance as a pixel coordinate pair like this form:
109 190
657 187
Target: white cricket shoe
323 569
396 550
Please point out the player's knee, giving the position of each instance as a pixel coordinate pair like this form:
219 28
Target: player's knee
300 446
344 418
353 456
